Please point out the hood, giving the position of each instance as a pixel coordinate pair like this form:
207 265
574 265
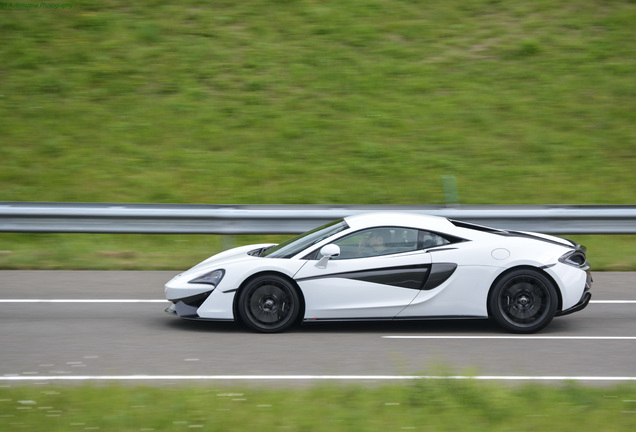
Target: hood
229 256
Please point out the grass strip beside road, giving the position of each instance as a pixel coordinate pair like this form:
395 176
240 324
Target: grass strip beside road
179 252
438 405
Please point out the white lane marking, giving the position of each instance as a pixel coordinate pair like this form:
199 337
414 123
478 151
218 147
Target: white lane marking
81 301
312 377
164 301
613 301
516 337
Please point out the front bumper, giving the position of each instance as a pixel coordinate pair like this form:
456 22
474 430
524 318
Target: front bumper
187 307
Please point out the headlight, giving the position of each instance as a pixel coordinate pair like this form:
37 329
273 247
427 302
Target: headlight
211 278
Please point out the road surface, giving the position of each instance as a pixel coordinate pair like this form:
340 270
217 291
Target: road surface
110 325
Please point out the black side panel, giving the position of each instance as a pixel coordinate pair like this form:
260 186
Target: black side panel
405 277
411 277
440 272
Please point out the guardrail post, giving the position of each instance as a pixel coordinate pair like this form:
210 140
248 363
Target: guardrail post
451 193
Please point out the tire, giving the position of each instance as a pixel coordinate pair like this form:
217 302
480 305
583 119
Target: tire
269 304
523 301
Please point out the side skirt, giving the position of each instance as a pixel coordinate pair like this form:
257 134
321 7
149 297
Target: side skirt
425 318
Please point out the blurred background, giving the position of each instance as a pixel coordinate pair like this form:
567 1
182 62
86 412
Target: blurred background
311 102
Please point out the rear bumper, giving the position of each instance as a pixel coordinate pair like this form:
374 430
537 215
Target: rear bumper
585 299
579 306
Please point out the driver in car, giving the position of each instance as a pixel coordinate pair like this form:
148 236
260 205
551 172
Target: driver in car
376 243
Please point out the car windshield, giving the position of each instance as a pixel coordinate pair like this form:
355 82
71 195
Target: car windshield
299 243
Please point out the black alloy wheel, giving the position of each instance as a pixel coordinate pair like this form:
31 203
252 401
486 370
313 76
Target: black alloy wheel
269 304
523 301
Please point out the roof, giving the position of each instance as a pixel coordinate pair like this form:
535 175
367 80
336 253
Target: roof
403 219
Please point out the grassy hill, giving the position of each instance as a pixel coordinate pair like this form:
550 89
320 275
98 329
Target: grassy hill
356 102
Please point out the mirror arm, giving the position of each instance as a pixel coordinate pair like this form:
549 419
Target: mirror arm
322 263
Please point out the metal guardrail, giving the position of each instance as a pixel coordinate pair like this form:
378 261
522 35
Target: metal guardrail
33 217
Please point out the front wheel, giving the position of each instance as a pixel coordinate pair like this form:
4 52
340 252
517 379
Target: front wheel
269 304
523 301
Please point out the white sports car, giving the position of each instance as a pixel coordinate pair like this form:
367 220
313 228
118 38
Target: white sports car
397 266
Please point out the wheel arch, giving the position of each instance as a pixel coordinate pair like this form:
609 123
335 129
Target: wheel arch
525 267
235 311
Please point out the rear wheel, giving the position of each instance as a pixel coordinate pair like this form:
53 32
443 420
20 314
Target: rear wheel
523 301
269 304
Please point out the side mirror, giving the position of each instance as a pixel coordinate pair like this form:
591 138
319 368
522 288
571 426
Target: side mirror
327 252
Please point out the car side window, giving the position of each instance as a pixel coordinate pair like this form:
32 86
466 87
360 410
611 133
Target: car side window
428 240
377 241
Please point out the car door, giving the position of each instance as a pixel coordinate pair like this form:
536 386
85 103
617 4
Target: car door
368 279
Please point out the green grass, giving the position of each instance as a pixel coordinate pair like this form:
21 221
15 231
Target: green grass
444 405
305 101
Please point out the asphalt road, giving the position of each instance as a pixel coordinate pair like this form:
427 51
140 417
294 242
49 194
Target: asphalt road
92 325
